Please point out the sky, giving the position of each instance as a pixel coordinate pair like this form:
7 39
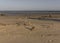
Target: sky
29 4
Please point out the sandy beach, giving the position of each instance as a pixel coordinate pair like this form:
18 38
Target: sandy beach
22 30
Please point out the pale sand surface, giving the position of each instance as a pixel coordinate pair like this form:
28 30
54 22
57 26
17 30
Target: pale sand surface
13 30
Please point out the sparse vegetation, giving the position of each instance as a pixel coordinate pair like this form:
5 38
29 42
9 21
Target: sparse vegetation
2 24
50 15
18 23
2 14
29 27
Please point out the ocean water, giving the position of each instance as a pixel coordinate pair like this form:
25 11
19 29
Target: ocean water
29 12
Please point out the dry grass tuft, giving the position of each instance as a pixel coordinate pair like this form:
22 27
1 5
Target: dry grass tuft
29 27
18 24
2 24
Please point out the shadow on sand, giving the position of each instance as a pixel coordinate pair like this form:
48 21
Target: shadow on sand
51 19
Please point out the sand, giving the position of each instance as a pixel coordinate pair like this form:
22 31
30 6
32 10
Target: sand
20 30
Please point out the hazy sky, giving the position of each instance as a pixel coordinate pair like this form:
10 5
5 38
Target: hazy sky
29 4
